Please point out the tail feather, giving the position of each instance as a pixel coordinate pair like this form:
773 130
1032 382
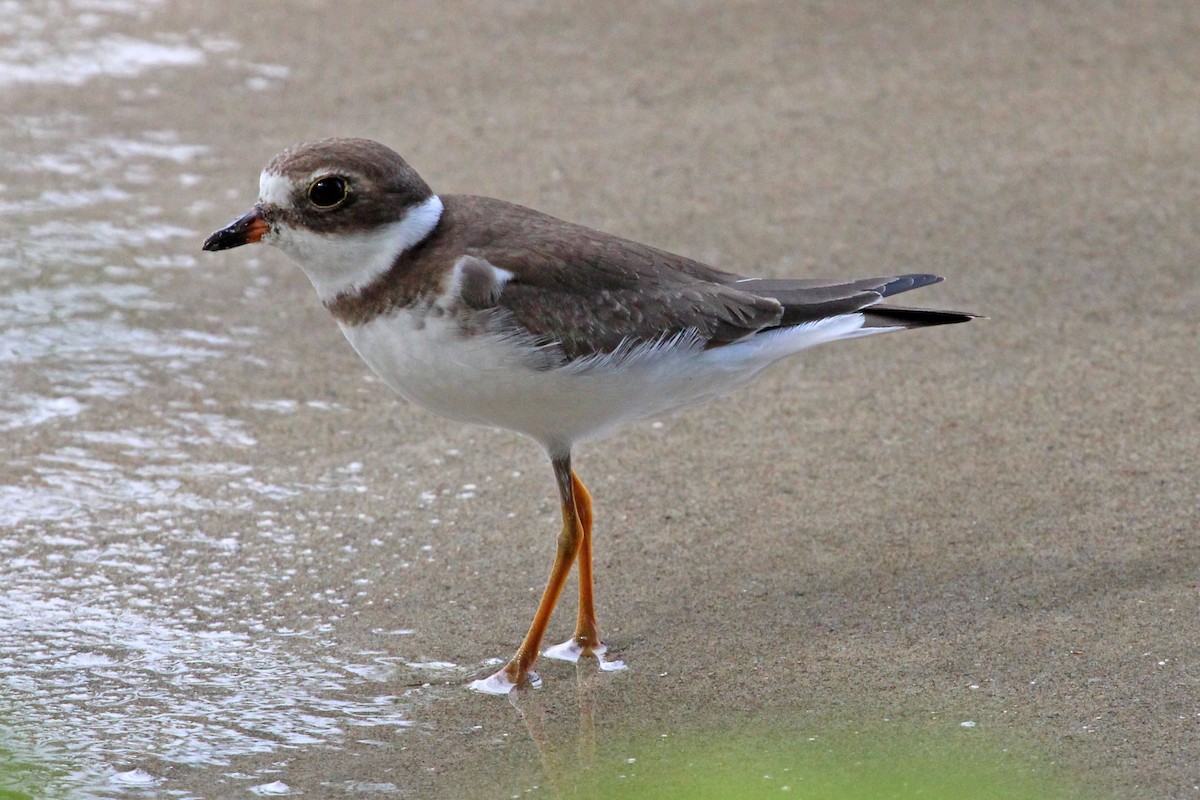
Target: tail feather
808 300
893 317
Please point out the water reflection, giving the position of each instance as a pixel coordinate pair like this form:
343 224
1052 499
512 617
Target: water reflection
568 754
841 753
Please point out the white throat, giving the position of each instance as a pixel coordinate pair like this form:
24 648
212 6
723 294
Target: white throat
342 263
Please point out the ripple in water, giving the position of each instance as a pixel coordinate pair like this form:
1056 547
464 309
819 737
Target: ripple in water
144 611
73 42
105 687
69 43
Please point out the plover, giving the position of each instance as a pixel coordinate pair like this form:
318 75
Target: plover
488 312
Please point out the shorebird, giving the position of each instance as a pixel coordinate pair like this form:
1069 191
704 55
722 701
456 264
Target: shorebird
492 313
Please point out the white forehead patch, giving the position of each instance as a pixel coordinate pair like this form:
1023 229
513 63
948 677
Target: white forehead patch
274 189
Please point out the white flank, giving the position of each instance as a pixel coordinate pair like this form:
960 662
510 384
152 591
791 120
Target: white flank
488 379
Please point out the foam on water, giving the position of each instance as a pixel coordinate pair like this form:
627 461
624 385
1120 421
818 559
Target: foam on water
134 777
45 43
74 42
29 410
115 56
102 660
148 600
271 789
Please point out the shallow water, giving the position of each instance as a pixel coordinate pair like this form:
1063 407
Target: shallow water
113 663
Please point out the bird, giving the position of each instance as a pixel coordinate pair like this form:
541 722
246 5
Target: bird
488 312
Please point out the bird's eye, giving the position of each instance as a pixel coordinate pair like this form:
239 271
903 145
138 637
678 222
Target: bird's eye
327 192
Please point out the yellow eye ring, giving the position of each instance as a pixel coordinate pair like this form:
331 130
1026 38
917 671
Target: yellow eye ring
328 191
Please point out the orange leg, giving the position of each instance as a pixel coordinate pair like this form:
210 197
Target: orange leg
568 548
586 640
574 543
576 530
586 636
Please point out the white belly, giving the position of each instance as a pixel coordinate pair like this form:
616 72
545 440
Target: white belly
487 380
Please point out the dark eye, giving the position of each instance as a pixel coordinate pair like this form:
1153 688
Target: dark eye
327 192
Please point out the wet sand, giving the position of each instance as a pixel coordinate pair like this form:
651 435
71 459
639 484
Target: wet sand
993 522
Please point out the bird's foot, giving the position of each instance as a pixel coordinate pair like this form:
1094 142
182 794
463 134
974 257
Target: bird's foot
572 649
502 682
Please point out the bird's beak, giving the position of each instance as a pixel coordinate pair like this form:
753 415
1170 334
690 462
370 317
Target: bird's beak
246 229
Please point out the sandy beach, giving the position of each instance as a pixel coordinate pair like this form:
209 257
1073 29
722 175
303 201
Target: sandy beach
248 563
